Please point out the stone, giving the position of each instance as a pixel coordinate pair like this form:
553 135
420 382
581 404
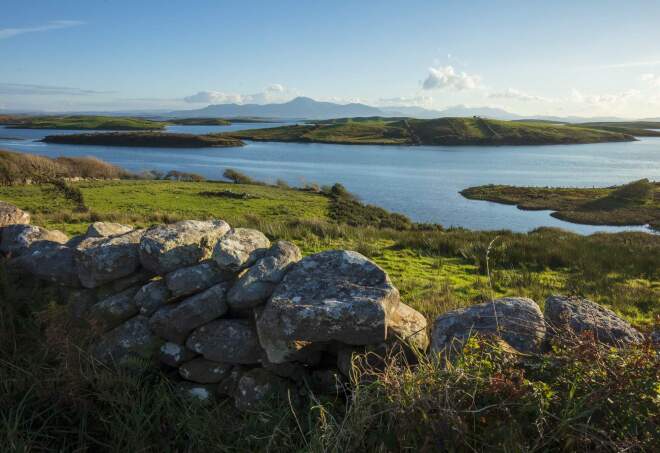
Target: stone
17 239
256 285
174 322
240 248
103 260
79 301
328 382
193 279
334 295
577 315
151 297
199 393
204 371
11 215
228 341
132 338
257 387
106 229
165 248
112 311
173 354
517 320
138 278
227 387
49 261
407 325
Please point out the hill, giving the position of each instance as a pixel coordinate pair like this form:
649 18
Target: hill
441 131
81 122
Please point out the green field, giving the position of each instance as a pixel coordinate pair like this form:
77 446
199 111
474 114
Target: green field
200 121
637 203
442 131
82 122
142 139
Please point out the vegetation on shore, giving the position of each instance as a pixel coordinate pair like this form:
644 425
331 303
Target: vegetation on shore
636 128
138 139
200 121
442 131
636 203
81 122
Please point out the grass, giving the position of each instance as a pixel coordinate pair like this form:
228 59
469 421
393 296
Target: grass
158 139
82 122
582 397
442 131
200 121
636 203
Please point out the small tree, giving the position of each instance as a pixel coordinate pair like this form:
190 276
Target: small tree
237 177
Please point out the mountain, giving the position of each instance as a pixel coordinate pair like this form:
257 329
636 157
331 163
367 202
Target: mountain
298 108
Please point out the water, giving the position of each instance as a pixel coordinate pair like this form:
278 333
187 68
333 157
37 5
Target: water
421 182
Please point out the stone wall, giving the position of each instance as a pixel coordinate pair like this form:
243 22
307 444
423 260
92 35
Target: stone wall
230 313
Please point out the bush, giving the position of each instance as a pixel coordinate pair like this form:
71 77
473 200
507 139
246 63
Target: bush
175 175
237 177
636 191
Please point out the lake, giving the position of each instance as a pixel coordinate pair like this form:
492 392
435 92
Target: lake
422 182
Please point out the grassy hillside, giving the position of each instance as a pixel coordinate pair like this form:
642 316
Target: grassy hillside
157 139
82 122
200 121
636 128
637 203
442 131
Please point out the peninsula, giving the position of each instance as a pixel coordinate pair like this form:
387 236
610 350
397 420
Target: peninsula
144 139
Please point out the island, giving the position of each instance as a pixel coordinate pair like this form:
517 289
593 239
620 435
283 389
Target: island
145 139
81 122
441 131
636 203
200 122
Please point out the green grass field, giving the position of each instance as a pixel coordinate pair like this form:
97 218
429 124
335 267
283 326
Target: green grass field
145 138
442 131
81 122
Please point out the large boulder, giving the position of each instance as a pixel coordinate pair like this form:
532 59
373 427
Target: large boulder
103 260
259 281
17 239
49 261
407 325
151 297
174 354
11 215
174 322
577 315
165 248
517 320
204 371
132 338
240 248
106 229
335 295
108 313
192 279
228 341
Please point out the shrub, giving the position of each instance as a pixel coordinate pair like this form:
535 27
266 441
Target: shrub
637 191
175 175
237 177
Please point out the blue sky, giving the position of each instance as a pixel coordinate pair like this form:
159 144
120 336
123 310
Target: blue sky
529 57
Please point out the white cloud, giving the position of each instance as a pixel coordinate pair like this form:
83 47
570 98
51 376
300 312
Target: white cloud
606 100
14 89
52 25
417 101
512 93
447 77
272 93
652 79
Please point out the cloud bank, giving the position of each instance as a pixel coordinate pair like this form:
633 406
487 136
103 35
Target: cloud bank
446 77
52 25
272 93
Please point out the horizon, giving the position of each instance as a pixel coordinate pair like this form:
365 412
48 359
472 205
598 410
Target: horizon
586 60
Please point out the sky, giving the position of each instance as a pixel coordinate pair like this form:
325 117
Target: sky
586 58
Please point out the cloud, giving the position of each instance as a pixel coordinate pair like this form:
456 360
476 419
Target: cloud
603 100
52 25
271 93
418 101
512 93
44 90
652 79
447 77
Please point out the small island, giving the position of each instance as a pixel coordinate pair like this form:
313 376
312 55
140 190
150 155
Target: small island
636 203
145 139
200 122
81 122
442 131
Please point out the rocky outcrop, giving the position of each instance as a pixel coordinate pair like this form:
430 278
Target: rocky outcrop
11 215
165 248
577 315
517 320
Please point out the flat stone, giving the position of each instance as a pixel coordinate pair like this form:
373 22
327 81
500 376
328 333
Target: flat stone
17 239
193 279
174 322
165 248
106 229
151 297
240 248
577 315
11 215
103 260
49 261
173 354
256 285
199 393
204 371
114 310
517 320
228 341
335 295
132 338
